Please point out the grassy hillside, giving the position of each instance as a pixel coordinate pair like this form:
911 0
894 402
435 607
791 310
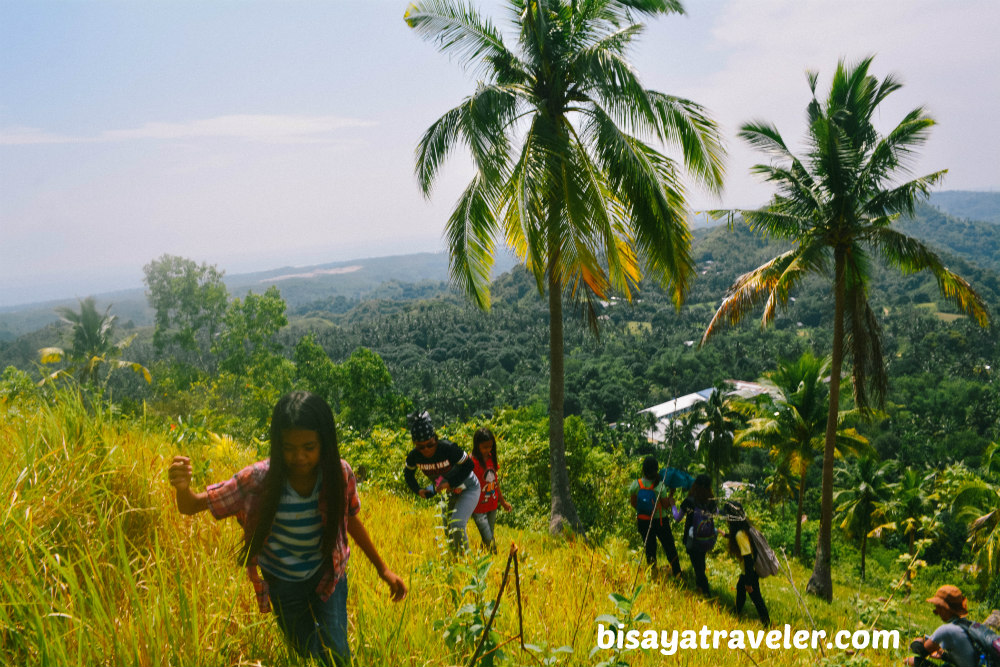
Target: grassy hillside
101 569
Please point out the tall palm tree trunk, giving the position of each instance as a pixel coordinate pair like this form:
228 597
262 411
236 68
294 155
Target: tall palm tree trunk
821 582
798 515
864 551
563 511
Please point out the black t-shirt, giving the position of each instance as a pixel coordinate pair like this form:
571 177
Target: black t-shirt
449 461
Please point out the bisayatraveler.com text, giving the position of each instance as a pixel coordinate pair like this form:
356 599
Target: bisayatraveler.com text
670 642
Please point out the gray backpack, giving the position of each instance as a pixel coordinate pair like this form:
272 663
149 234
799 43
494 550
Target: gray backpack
766 563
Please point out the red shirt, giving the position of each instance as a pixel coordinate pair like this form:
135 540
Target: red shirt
489 486
240 496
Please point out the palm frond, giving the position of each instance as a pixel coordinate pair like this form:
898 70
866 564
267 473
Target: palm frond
765 137
458 29
863 338
523 207
901 199
910 255
686 124
471 232
646 185
748 291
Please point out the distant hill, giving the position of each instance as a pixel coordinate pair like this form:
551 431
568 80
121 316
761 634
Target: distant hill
373 277
981 206
965 224
973 240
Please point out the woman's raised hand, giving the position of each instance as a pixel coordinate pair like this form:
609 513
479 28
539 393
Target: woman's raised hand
180 473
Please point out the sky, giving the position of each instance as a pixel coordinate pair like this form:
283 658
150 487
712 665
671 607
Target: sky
258 134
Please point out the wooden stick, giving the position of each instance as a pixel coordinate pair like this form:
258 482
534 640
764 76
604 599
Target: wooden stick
496 605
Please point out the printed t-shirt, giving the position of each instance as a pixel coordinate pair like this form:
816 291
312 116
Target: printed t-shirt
489 495
449 462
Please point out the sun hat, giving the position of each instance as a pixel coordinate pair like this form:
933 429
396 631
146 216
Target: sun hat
950 597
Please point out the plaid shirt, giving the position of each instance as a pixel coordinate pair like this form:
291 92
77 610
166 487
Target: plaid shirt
240 496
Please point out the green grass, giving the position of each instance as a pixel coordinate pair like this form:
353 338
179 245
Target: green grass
100 569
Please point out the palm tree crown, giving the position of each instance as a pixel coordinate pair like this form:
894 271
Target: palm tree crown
791 422
564 174
558 175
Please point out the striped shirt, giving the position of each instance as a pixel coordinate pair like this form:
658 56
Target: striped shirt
292 551
240 496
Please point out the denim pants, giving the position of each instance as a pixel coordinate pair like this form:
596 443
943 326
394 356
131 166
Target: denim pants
313 627
485 521
460 508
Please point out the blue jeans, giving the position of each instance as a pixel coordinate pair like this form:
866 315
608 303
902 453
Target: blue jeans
313 627
460 508
485 521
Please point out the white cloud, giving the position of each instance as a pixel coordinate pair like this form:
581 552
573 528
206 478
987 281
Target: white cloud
21 136
245 127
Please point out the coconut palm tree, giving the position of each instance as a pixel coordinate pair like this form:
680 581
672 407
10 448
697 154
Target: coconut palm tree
791 423
863 488
780 485
913 507
93 344
836 205
559 128
721 416
978 503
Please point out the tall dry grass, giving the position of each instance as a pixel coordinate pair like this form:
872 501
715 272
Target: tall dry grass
100 569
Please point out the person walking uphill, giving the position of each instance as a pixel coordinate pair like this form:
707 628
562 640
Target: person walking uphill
297 509
487 469
741 548
450 470
699 528
652 502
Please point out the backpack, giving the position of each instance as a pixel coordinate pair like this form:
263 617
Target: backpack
645 500
984 641
701 536
765 562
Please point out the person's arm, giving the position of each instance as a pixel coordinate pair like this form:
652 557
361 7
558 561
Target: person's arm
188 502
930 649
356 529
410 476
461 467
503 501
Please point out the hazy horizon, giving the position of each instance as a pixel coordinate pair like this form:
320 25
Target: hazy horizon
261 134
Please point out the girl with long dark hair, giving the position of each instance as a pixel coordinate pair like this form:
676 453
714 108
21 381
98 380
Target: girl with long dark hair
487 469
296 509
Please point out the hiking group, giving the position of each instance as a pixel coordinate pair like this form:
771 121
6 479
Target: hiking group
653 497
298 506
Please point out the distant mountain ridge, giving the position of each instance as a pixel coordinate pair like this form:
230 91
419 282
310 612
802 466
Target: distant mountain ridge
979 206
966 224
299 285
